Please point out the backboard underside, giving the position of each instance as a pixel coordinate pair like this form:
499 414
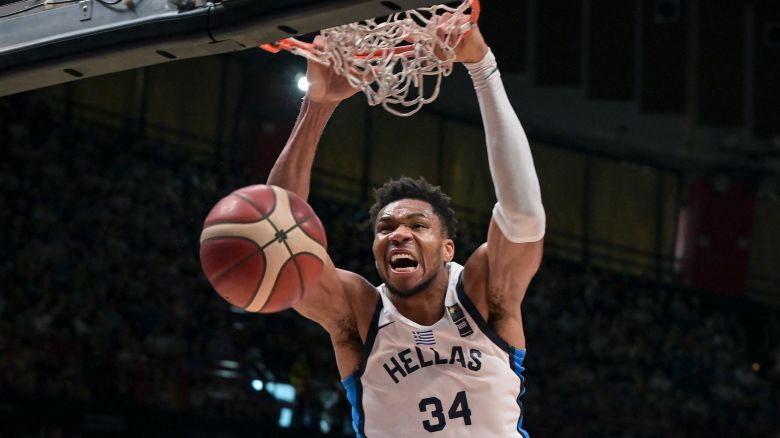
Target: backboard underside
42 47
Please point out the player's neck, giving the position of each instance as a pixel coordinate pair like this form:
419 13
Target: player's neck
425 307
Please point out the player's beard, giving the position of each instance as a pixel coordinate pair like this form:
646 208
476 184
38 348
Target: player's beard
413 291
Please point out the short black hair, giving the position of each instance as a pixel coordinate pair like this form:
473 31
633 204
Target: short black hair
415 188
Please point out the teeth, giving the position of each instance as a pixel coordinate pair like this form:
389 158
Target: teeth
401 256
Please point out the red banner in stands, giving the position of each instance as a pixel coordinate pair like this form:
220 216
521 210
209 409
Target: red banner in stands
713 235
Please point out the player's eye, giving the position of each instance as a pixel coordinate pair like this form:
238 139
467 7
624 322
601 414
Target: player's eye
384 229
419 226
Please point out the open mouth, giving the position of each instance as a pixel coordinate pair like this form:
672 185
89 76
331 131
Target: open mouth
403 263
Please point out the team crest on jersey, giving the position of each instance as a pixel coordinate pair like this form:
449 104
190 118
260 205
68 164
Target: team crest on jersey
460 321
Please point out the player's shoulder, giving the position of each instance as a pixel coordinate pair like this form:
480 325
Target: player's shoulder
476 266
360 291
362 296
354 283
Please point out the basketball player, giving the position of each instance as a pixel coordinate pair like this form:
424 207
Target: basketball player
439 347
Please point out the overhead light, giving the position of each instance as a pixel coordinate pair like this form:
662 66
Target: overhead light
257 385
303 83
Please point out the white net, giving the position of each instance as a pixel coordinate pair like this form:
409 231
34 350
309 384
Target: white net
390 60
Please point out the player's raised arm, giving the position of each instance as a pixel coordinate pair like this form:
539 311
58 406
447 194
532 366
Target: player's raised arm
292 169
519 212
514 248
337 304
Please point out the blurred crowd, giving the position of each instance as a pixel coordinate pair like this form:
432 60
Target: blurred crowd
104 303
615 355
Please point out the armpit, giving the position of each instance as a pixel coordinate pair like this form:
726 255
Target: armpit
347 336
501 305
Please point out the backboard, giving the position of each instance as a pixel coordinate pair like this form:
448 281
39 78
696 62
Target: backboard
48 42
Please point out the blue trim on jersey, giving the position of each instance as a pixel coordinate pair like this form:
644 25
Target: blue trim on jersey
352 382
351 385
516 362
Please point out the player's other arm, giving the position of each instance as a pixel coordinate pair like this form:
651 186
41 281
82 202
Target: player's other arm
505 265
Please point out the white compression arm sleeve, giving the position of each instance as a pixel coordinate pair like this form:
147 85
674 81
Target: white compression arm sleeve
519 212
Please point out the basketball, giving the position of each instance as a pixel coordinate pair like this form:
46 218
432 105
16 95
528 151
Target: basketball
262 248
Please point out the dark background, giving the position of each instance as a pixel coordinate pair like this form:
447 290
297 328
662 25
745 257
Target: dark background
654 126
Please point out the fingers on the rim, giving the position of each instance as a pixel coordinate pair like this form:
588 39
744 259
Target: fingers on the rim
452 28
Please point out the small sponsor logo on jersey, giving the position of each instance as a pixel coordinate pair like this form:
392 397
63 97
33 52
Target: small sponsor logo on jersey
460 321
424 337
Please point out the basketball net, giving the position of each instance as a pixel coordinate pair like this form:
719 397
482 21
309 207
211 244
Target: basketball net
389 60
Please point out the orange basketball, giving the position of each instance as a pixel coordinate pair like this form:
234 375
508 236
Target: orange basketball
262 248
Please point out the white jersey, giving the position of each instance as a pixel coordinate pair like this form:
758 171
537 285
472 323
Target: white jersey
455 378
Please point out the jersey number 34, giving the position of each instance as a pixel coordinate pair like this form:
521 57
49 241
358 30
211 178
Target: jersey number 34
458 409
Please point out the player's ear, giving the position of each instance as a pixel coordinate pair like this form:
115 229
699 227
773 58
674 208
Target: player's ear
448 250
